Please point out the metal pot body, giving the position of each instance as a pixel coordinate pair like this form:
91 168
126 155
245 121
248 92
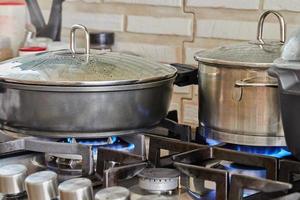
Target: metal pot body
239 105
99 111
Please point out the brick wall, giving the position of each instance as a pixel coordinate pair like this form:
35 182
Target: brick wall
173 30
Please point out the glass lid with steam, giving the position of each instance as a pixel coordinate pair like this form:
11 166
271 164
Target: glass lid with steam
92 67
253 54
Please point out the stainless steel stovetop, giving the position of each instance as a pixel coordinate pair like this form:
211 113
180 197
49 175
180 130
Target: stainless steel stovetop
149 165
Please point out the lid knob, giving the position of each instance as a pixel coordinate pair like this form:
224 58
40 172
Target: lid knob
76 189
73 42
41 185
260 26
12 179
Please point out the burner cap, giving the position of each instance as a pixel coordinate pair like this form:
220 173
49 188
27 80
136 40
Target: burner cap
113 193
158 179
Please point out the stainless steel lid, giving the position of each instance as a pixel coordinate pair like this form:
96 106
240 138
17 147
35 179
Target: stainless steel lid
92 67
256 54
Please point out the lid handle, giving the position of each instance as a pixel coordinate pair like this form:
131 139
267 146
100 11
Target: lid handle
73 41
260 26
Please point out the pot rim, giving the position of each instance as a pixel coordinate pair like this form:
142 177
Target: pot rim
87 83
86 88
63 134
231 64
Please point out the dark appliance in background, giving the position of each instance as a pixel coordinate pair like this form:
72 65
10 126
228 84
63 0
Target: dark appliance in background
287 70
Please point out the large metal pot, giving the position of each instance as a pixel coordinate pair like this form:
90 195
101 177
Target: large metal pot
91 94
238 100
287 70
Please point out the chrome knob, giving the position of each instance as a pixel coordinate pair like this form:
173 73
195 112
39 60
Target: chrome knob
113 193
12 179
41 185
76 189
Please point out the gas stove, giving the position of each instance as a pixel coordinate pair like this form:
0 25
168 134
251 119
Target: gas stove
169 162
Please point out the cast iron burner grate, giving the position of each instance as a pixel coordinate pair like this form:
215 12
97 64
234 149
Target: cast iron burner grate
191 160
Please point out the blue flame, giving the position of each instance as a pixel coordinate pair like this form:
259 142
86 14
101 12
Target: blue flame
93 142
277 152
121 147
113 143
212 142
234 168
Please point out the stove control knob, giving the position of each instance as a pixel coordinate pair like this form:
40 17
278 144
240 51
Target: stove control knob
41 185
113 193
76 189
12 179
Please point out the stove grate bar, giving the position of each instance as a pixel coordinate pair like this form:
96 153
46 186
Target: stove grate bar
287 168
267 162
118 157
196 156
112 176
241 182
45 146
220 177
173 145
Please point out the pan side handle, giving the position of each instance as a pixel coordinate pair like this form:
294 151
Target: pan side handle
186 75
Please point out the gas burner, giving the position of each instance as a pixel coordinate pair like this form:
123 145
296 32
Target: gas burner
276 152
68 164
113 142
159 180
71 164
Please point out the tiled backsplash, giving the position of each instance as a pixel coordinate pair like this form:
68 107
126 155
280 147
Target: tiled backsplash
173 30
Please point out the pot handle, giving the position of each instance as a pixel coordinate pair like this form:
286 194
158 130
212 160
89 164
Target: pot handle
186 75
260 26
73 41
248 82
